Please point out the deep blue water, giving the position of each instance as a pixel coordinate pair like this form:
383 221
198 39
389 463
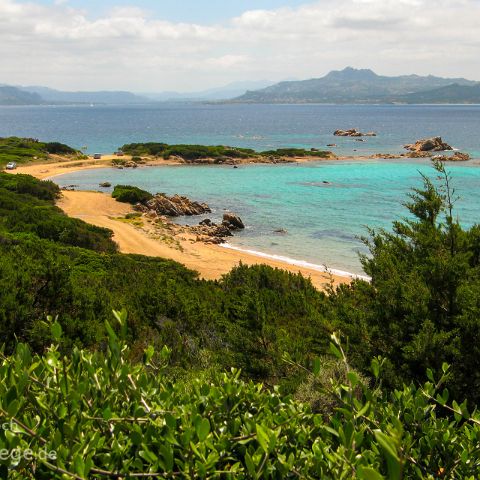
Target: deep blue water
323 220
105 128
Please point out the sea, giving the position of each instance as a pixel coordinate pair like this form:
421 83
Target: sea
308 213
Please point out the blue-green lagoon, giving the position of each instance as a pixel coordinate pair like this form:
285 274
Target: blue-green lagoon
324 206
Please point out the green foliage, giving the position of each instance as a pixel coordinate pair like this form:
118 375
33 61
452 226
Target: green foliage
22 150
26 184
129 194
422 306
26 206
103 412
98 415
205 323
295 152
219 152
59 148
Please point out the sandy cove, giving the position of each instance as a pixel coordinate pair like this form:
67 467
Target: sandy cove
141 236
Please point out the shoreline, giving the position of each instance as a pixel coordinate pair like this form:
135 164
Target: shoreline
210 261
171 242
298 263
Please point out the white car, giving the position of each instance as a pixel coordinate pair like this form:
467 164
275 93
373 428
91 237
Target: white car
11 166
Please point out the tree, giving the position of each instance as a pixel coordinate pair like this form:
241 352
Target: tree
422 306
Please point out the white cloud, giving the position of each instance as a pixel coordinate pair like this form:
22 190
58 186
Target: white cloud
60 46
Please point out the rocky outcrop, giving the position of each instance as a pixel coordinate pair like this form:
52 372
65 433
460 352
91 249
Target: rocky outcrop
232 221
434 144
386 156
416 154
353 132
105 184
174 206
210 232
69 188
456 157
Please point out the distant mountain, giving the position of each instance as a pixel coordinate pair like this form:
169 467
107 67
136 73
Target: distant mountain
15 96
454 93
350 86
50 95
221 93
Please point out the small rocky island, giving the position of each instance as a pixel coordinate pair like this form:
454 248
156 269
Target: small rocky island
353 132
434 144
426 147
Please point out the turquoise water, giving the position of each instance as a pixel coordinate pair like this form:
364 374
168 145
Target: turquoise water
322 220
105 128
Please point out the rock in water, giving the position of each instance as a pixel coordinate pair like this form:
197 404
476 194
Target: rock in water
232 221
434 144
456 157
353 132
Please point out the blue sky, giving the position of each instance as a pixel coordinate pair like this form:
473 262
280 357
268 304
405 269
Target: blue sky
201 11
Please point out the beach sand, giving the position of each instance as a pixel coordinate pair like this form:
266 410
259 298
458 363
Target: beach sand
61 166
211 261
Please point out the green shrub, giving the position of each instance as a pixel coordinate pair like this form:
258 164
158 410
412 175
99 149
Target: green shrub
129 194
60 148
99 415
295 152
26 184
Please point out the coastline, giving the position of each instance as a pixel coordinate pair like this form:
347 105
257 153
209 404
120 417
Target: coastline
210 261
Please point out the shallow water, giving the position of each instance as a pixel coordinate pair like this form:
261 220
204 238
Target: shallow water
323 220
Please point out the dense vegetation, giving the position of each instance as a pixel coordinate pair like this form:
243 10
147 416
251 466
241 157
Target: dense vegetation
422 306
98 415
22 150
195 152
26 207
186 416
129 194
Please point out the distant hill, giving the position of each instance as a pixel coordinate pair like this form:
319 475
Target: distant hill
50 95
353 86
220 93
15 96
454 93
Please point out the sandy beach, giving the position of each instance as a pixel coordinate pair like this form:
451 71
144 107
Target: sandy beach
142 237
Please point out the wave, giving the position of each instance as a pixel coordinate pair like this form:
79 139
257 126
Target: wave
298 263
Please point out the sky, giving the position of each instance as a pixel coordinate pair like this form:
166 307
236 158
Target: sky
191 45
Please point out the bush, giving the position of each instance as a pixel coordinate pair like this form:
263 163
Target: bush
130 194
136 422
60 148
295 152
26 184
